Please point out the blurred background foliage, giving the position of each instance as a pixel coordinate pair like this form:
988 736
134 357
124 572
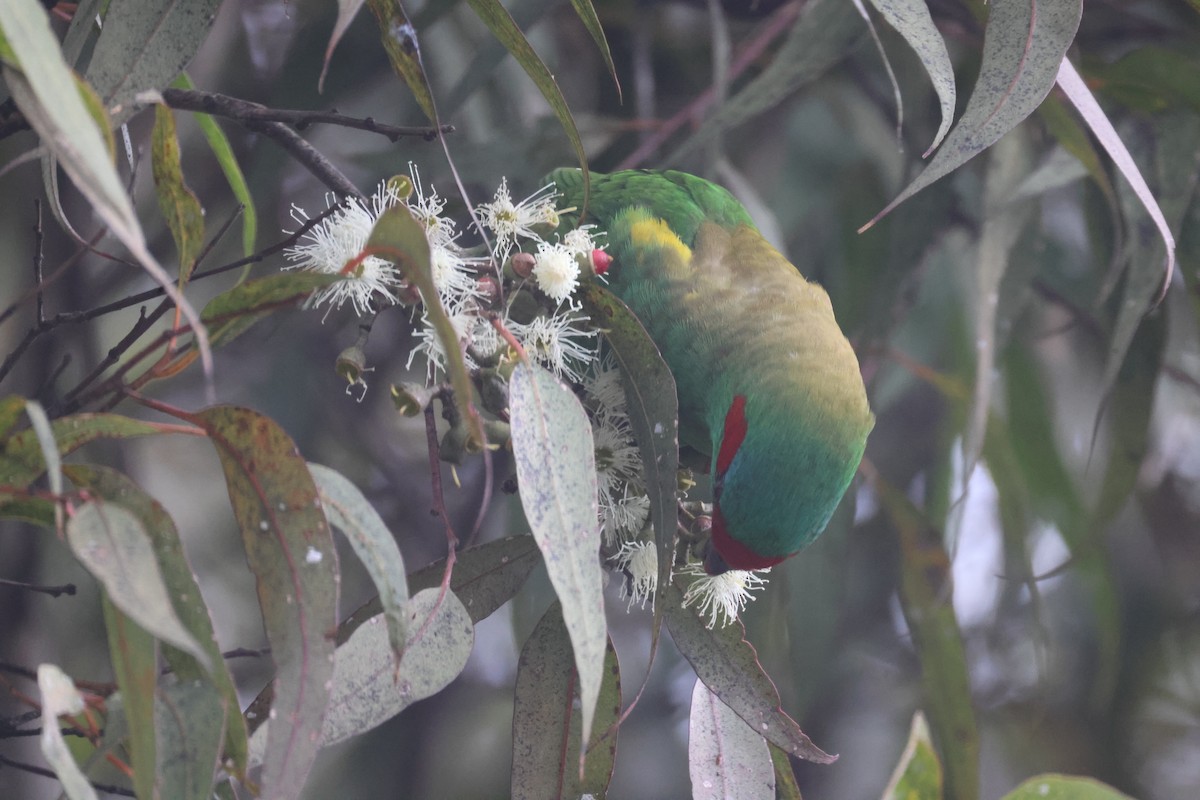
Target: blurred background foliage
1072 549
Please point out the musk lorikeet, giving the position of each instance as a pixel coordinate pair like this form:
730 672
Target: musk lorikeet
769 387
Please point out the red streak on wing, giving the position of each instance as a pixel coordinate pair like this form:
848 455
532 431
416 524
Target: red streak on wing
736 554
734 433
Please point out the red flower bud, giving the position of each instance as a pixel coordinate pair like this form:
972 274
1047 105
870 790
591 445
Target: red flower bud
601 261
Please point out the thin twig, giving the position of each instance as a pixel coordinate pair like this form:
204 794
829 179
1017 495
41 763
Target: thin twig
53 591
245 111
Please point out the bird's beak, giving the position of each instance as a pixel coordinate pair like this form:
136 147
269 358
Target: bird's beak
713 563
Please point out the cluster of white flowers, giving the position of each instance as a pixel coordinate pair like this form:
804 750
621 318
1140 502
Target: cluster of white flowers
559 338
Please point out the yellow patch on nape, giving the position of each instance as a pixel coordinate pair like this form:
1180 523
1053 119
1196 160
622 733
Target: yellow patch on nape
655 232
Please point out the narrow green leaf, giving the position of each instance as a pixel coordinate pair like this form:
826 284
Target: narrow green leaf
143 46
1064 787
403 51
373 543
184 591
653 414
822 36
290 551
21 460
546 723
912 20
190 719
926 600
178 203
556 472
231 313
587 14
1151 79
11 409
113 545
369 688
785 779
48 449
59 696
918 774
134 656
727 760
401 239
1023 46
218 142
501 24
347 11
728 666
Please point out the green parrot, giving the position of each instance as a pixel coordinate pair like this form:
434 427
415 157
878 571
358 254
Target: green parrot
769 387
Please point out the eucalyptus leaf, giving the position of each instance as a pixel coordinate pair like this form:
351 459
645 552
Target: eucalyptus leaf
726 759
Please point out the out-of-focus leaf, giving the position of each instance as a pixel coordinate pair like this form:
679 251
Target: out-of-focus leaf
926 599
501 24
1002 224
59 696
403 51
728 666
373 543
726 759
28 509
1060 168
190 720
83 24
490 54
785 779
11 409
918 774
143 46
653 414
1150 79
113 545
821 37
44 89
401 239
912 20
1064 787
182 588
347 11
587 15
178 203
134 659
218 142
556 472
1067 130
546 723
231 313
1023 46
485 577
1078 93
47 445
369 688
21 460
290 551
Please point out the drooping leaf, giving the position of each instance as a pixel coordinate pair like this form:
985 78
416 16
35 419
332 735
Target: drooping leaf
861 8
650 397
501 24
785 779
290 550
398 237
726 759
546 723
1151 79
373 543
1078 93
347 11
178 203
190 719
1064 787
231 313
728 666
912 20
403 51
918 773
368 688
926 600
218 142
59 696
21 460
821 37
117 488
1023 45
587 15
39 424
556 472
143 46
45 90
486 576
113 545
134 657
